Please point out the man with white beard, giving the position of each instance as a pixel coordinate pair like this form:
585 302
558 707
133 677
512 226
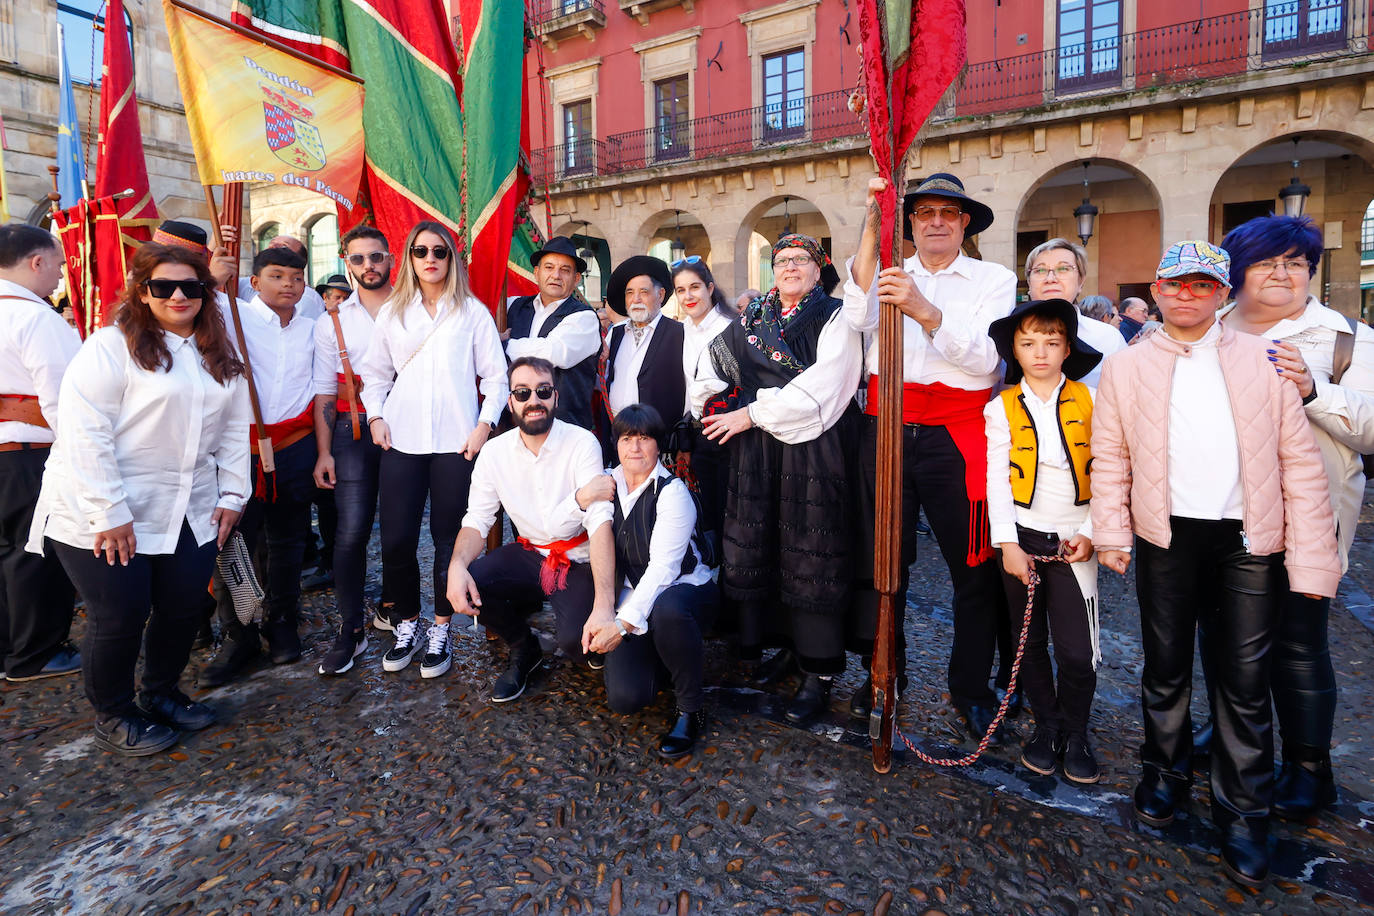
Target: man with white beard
644 365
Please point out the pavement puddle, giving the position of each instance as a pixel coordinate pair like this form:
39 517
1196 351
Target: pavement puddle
86 878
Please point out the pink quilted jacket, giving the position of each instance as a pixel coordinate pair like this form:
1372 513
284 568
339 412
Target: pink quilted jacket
1287 507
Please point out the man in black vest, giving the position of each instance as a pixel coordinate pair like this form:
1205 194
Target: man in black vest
644 365
558 326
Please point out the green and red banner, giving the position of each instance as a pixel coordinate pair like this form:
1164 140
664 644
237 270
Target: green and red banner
432 150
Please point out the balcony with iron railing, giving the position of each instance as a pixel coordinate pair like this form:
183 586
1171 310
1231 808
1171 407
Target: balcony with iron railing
1280 35
558 20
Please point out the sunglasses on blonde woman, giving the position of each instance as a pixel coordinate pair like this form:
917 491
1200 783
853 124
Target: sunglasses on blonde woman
420 252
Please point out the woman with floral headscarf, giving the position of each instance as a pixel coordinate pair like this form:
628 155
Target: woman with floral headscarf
777 388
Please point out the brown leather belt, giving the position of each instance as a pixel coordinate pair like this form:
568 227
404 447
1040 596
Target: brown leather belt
23 446
21 408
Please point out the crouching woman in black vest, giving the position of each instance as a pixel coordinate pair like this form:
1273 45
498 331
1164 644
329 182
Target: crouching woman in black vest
667 599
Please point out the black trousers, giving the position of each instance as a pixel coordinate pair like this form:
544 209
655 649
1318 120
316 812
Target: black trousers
933 479
144 604
673 646
1304 682
285 523
405 481
508 580
36 598
1063 705
356 475
1207 577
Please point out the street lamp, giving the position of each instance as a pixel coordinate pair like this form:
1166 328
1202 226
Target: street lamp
1085 214
786 218
1294 195
676 250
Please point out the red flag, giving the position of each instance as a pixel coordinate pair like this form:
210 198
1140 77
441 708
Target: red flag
120 164
73 231
904 77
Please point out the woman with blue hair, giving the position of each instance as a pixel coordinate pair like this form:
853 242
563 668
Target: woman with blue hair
1330 359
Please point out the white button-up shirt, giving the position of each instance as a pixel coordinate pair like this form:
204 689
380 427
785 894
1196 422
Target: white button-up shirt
311 304
283 358
971 295
675 519
35 347
357 327
574 339
695 338
148 447
629 359
419 375
539 492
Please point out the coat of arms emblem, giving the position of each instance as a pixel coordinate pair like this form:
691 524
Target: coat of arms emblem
294 141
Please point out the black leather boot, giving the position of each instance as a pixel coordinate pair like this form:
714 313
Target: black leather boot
1305 785
239 650
681 738
1245 852
811 699
1158 798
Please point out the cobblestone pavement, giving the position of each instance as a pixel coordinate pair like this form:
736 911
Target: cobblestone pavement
383 793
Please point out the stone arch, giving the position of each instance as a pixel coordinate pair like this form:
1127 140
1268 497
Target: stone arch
591 237
1338 167
1127 236
767 214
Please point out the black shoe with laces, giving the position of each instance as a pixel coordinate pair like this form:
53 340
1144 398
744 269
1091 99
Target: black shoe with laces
132 735
66 660
176 710
438 657
1041 753
512 683
348 645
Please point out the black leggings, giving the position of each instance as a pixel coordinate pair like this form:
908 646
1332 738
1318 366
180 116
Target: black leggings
405 481
1304 683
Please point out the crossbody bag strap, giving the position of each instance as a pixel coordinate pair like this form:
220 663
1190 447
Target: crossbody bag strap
350 388
1344 352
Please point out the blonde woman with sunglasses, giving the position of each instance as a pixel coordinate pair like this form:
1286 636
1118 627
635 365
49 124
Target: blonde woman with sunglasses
434 349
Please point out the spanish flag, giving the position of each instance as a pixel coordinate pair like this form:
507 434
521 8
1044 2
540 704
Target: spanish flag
260 112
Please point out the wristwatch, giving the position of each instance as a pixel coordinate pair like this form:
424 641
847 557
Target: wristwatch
620 625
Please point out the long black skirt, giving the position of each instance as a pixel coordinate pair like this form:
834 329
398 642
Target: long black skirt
789 543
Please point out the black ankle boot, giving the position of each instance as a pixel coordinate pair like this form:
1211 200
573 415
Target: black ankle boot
1245 854
811 699
1305 785
774 669
681 738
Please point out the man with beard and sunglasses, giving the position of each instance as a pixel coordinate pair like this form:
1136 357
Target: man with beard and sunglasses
547 475
349 465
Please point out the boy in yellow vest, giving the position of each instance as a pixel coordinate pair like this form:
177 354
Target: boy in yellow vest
1038 462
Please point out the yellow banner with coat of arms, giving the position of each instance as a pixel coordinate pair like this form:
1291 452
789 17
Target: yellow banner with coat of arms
260 113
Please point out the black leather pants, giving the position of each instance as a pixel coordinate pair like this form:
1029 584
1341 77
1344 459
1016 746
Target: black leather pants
1207 577
1304 683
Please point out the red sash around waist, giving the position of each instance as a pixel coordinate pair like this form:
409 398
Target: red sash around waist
960 412
553 574
288 432
342 402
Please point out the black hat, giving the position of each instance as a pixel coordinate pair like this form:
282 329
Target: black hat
943 184
560 245
1081 359
641 265
181 234
337 281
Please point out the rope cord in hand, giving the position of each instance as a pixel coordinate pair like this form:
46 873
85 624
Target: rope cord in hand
968 760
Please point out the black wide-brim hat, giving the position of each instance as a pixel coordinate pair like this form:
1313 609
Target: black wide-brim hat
943 184
560 245
1081 359
641 265
337 281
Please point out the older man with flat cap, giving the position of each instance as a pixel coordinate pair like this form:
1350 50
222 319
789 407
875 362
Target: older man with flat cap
949 367
644 365
556 325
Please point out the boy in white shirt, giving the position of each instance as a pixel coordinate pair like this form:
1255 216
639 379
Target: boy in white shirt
1038 434
281 348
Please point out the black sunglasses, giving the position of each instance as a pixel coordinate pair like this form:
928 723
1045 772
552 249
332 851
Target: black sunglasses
166 289
543 392
422 251
374 257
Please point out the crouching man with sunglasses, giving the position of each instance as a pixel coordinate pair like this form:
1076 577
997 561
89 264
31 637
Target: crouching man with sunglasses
1203 457
547 475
